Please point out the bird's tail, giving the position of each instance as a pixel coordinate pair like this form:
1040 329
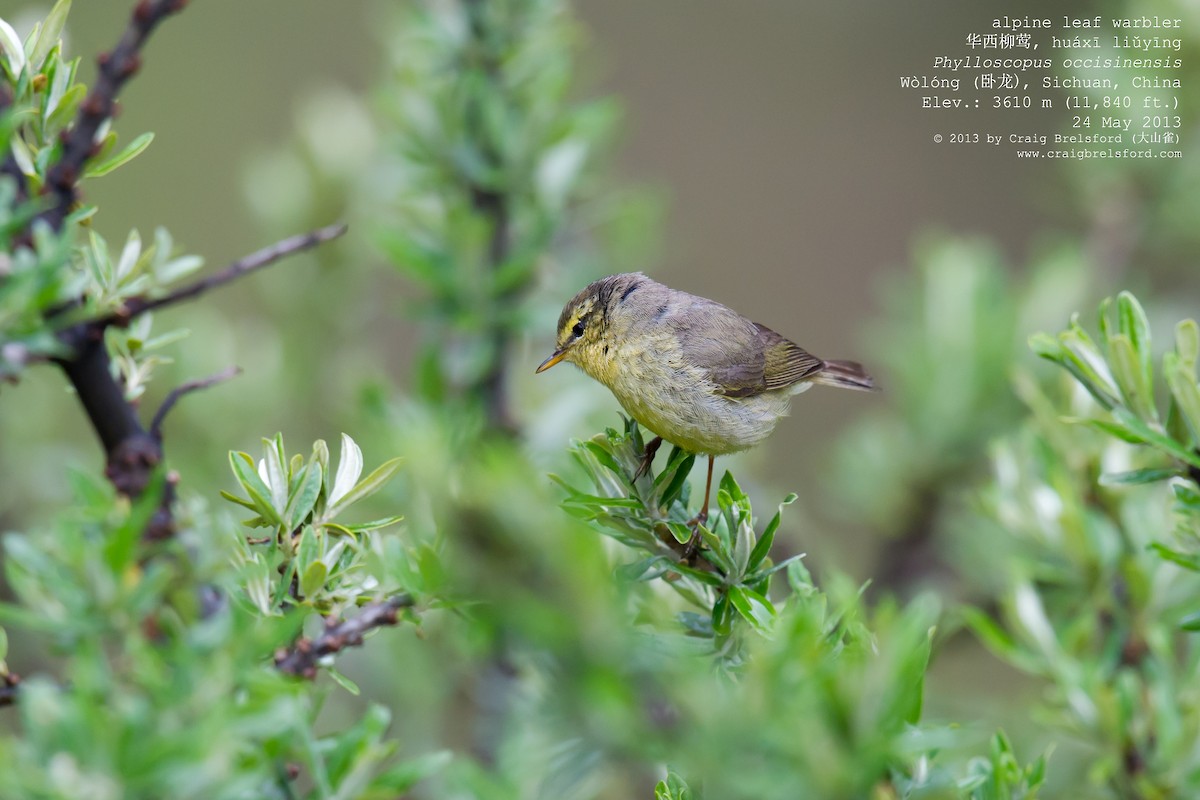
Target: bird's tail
845 374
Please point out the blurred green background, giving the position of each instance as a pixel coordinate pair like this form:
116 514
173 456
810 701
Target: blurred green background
798 183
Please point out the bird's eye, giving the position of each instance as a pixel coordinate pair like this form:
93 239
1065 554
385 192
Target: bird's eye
577 331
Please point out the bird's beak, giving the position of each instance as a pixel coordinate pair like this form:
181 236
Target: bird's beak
556 357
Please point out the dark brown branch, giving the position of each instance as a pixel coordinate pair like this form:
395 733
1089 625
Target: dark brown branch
180 391
243 266
495 206
88 368
133 454
10 684
302 657
115 69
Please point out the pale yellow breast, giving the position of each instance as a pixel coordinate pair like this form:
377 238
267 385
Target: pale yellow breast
679 403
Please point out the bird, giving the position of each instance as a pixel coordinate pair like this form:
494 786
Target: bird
690 370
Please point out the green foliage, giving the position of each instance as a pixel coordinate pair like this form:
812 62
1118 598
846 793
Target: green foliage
673 788
161 682
491 166
1087 604
1118 373
1001 776
730 585
325 564
825 696
42 279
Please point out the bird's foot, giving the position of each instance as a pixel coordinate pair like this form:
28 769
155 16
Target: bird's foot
692 549
648 457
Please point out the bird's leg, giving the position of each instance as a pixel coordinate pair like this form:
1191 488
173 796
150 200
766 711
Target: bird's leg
693 545
648 457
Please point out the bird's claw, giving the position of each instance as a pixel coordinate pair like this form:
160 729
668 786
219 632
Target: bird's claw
648 457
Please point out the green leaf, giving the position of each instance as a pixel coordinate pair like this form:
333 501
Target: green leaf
1132 322
277 480
703 576
604 457
130 152
1187 343
313 578
12 50
49 32
1154 437
1181 379
722 615
672 479
247 475
367 486
681 532
1191 622
64 109
763 547
1187 495
308 547
301 503
755 577
233 498
757 609
341 680
1077 353
1125 362
350 467
994 636
373 525
579 498
1111 428
1186 560
1135 476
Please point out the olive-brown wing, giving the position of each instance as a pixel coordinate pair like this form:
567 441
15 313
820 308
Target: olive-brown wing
786 362
741 357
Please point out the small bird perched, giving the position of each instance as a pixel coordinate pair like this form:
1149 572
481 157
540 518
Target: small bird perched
692 371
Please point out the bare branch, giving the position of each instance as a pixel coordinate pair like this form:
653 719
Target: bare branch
179 391
10 684
302 657
240 268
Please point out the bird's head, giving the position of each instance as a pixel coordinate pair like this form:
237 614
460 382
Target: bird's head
585 325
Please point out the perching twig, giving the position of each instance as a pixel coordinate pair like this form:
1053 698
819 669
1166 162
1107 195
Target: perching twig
243 266
302 657
180 391
116 67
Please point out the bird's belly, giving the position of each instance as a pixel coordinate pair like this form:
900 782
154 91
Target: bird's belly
689 414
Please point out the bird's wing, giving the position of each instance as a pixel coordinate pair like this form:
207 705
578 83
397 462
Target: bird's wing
741 357
786 362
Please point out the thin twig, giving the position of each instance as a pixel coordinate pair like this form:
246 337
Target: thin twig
243 266
179 391
115 68
302 657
